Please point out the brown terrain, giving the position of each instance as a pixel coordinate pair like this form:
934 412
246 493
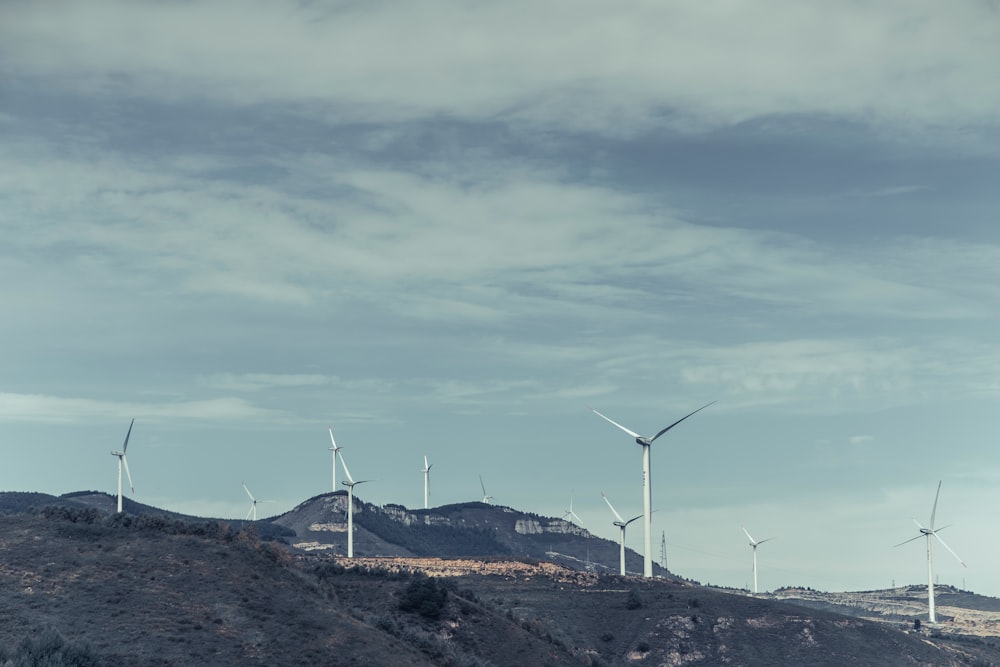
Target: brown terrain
81 586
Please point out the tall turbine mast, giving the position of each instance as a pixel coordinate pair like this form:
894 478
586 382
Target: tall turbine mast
753 545
334 448
427 481
647 496
350 484
571 513
622 525
928 533
122 461
253 504
486 498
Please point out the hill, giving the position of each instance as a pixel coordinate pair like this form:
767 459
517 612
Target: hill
81 587
451 531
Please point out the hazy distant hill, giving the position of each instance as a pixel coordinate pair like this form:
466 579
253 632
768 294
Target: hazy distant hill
450 531
150 590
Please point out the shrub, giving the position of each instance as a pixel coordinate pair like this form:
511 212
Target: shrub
634 600
50 649
425 596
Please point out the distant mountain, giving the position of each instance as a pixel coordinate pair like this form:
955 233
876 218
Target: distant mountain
450 531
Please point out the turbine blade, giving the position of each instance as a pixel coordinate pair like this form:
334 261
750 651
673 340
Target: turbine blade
613 510
248 492
949 549
767 539
127 473
909 540
629 431
249 512
635 518
426 467
679 421
125 446
334 442
344 466
749 536
576 516
483 485
934 508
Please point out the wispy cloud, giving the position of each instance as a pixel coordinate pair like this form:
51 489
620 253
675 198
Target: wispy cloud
689 65
260 381
44 408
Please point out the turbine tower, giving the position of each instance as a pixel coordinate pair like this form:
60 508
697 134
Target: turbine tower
754 544
350 484
622 524
123 462
647 497
334 449
571 513
427 481
486 498
253 504
928 533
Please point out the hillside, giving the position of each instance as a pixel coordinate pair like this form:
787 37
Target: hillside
452 531
147 590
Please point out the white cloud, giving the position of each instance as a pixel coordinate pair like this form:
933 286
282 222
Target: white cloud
260 381
611 68
45 408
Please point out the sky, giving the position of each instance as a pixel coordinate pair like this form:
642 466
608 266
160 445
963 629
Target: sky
449 229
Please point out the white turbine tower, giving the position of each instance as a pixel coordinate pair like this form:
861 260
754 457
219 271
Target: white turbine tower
427 481
622 525
350 484
334 449
253 504
647 497
123 462
753 545
928 533
486 498
571 513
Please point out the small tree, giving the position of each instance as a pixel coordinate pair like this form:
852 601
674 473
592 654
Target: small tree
634 600
425 596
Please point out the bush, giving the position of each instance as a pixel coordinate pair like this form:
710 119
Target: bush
49 649
634 600
425 596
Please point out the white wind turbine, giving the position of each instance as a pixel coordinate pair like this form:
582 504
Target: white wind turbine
427 481
123 462
753 545
622 524
647 497
350 484
486 498
928 533
253 504
334 449
571 513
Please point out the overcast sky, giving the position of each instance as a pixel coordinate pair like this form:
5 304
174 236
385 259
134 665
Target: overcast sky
449 228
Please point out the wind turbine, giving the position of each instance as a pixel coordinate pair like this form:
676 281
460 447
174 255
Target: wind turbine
253 504
486 498
427 481
123 462
754 544
350 484
647 498
928 533
622 524
334 449
571 513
